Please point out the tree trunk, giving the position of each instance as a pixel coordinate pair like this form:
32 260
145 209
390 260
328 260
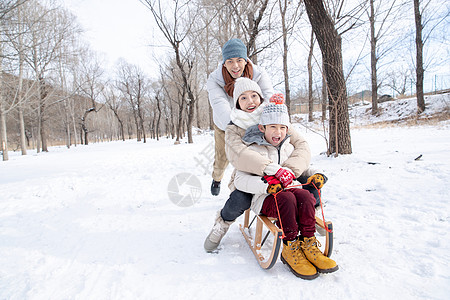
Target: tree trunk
158 119
330 45
42 124
208 72
142 125
23 144
180 120
190 120
74 125
122 132
283 9
3 136
191 99
373 60
68 134
37 133
324 94
310 80
419 58
253 29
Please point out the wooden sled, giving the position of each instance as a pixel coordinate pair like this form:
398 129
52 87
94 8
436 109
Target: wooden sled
266 252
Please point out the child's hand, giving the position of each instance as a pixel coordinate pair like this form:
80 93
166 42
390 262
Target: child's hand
285 176
318 180
270 179
274 188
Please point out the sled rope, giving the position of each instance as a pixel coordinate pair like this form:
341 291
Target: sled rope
293 186
278 212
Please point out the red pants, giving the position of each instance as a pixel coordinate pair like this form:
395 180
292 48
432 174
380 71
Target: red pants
297 212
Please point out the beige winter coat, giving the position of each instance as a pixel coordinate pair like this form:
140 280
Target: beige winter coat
247 160
252 184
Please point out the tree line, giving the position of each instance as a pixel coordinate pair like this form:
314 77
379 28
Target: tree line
55 90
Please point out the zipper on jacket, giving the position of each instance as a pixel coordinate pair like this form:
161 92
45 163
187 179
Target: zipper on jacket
279 148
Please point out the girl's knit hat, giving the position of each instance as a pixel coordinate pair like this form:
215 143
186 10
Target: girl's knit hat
234 48
275 112
244 84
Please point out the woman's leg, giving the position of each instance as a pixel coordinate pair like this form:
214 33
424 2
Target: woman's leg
236 205
220 159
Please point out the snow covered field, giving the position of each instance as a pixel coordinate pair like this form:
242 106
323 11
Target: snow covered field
97 222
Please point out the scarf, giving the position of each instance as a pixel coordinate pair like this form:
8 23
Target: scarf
244 119
229 80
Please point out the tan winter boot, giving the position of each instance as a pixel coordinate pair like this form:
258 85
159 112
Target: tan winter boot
312 252
293 256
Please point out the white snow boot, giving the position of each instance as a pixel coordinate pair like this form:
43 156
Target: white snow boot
218 231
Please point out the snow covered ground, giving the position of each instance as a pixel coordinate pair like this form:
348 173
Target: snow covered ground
100 222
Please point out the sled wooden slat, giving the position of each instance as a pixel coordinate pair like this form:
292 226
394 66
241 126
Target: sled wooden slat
255 241
254 238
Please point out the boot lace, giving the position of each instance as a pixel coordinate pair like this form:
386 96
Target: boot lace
311 244
218 232
297 251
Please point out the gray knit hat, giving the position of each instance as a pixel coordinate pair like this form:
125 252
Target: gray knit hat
234 48
275 114
243 84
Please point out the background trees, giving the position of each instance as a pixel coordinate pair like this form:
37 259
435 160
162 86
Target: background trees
55 90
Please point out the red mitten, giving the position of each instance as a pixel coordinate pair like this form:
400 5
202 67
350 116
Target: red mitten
285 176
270 179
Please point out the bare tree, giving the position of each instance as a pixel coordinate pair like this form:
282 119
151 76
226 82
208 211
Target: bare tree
168 98
91 86
287 25
398 80
438 12
419 57
330 44
47 29
133 84
247 18
324 94
175 31
310 79
10 31
384 14
158 97
115 104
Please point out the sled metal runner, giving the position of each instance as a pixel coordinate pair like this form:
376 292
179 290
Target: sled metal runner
256 240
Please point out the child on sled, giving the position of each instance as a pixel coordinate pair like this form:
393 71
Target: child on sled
275 197
248 105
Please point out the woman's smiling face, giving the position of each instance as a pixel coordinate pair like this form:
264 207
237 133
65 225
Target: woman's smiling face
249 101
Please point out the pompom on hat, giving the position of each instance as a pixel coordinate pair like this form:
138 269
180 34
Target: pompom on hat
277 98
234 48
244 84
275 112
